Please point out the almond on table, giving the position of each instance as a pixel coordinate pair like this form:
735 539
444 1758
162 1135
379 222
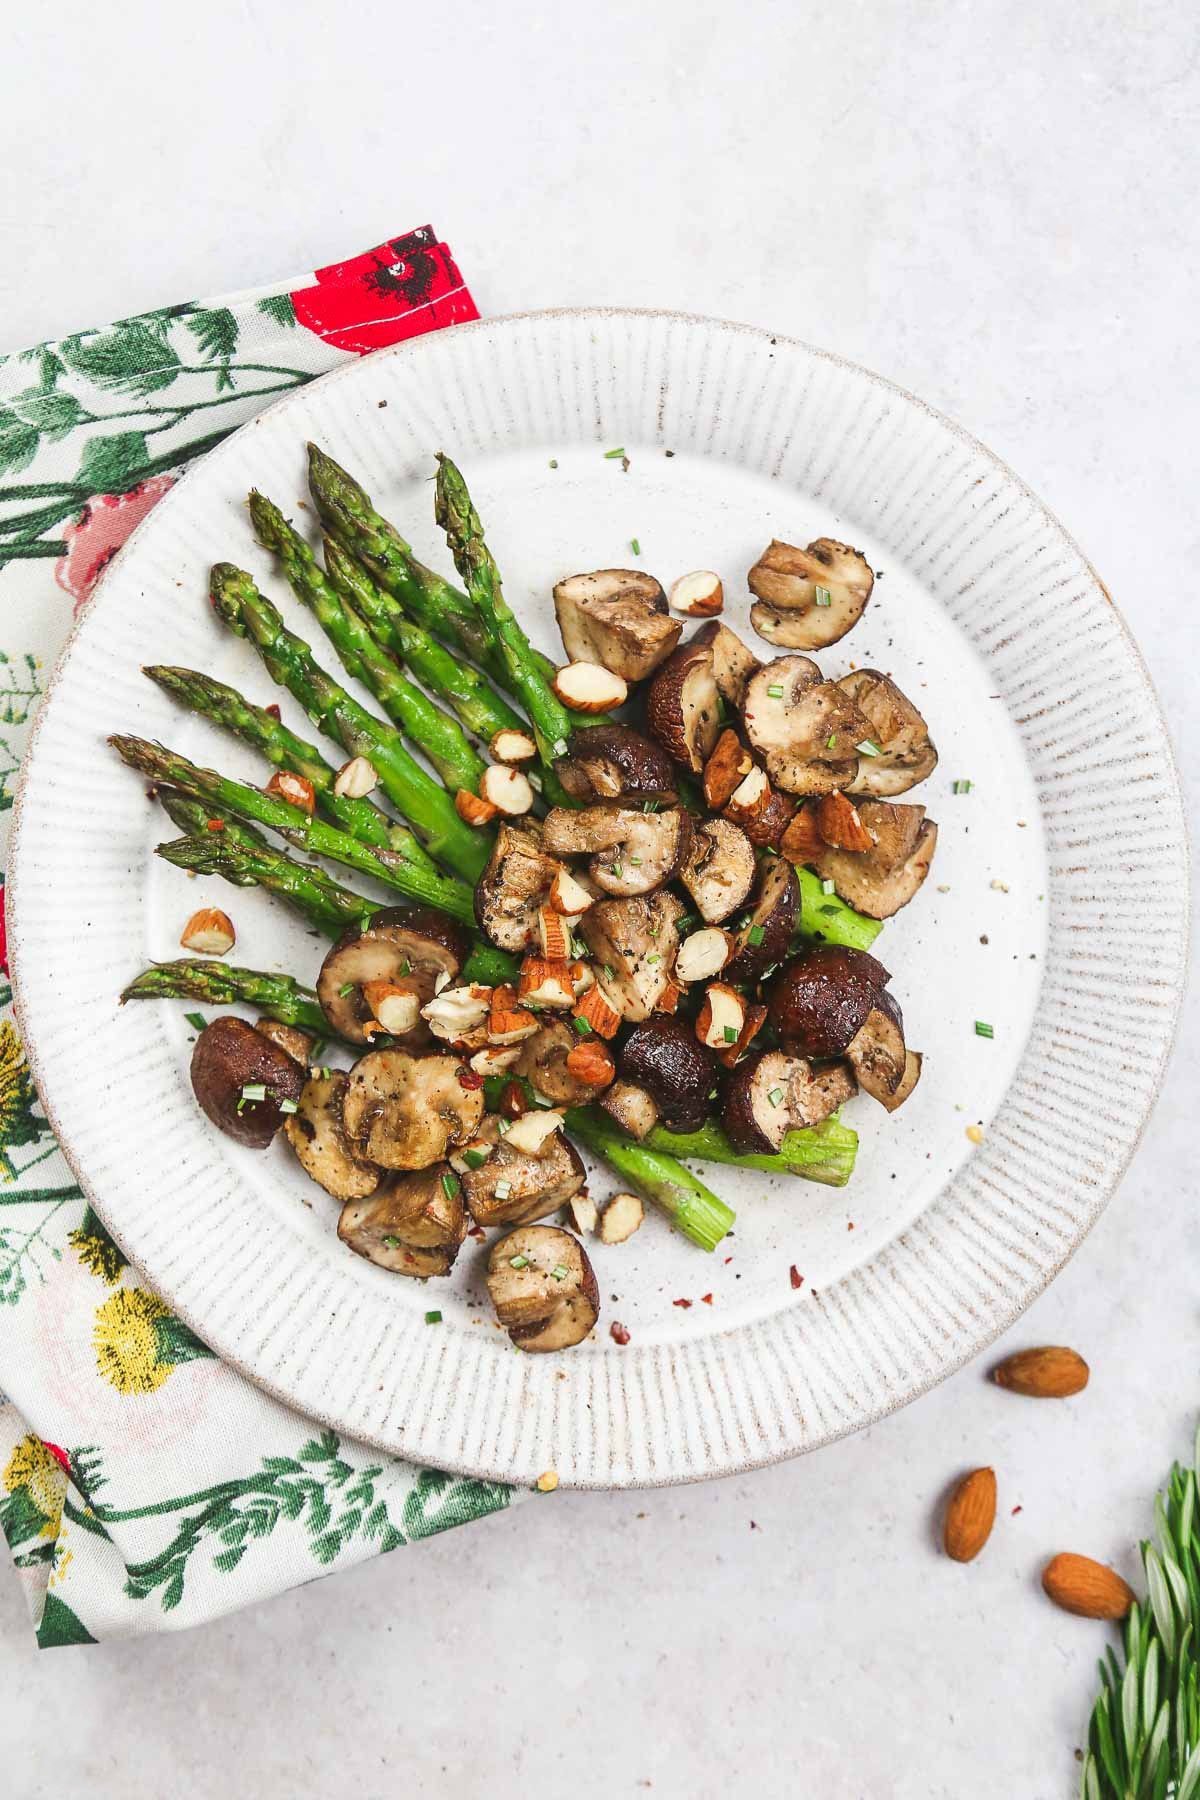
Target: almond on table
209 931
1050 1372
699 595
970 1515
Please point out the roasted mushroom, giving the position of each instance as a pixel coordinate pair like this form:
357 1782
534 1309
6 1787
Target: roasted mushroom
720 872
543 1288
733 662
413 1224
618 617
663 1057
808 598
403 948
775 1093
896 733
542 1060
822 998
806 730
298 1044
512 1185
630 1107
882 879
609 761
766 937
245 1083
513 886
633 850
633 944
682 703
886 1069
317 1135
405 1112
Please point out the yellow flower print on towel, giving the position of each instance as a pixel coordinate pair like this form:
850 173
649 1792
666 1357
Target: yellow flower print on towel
138 1341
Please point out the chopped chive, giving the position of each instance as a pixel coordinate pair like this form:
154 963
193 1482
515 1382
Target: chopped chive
317 1050
196 1021
961 787
346 988
831 740
685 921
503 1190
612 455
827 887
635 862
635 546
518 1262
391 1243
830 912
824 597
503 1126
868 748
756 934
433 1318
983 1029
731 1036
558 1273
560 746
450 1185
475 1159
582 1027
578 949
616 870
650 806
254 1090
608 970
775 1096
775 691
405 968
554 462
289 1106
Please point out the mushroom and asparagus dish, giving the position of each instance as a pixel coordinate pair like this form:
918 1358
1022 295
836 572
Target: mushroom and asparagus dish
632 897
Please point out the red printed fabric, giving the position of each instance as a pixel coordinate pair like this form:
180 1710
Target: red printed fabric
409 285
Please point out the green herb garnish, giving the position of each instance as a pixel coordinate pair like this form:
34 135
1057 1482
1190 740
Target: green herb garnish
254 1090
635 546
196 1021
450 1185
558 1273
731 1036
961 787
775 1096
868 748
582 1027
518 1262
756 934
612 455
824 597
346 989
433 1318
776 692
983 1029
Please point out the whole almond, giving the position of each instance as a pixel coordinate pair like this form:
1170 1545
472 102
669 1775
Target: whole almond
1088 1588
970 1515
1048 1373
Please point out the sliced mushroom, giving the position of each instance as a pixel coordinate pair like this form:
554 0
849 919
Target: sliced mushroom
610 761
242 1081
806 730
720 871
630 1107
513 886
516 1185
775 1093
895 729
543 1288
633 850
618 617
877 1051
413 1224
906 1084
633 944
663 1057
766 937
407 947
733 662
405 1112
298 1044
543 1061
683 706
881 880
822 998
809 598
317 1135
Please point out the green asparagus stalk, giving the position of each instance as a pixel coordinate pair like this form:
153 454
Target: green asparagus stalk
222 984
225 797
824 919
691 1207
257 726
289 660
824 1152
439 736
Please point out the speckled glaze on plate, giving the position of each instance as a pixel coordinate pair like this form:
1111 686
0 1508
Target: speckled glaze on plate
1034 919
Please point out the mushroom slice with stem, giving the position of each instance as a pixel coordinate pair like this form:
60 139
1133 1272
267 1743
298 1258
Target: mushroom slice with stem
720 871
543 1062
775 1093
631 1107
513 887
617 617
663 1057
809 598
413 1224
610 761
683 706
806 730
245 1083
765 937
733 662
881 880
633 850
400 947
822 998
633 944
543 1288
296 1043
405 1112
896 734
317 1135
515 1185
879 1056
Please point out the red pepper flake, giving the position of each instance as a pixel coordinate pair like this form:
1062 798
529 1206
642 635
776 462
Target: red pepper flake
754 1525
618 1333
476 1231
683 1303
273 710
214 824
707 1299
1016 1510
468 1079
796 1276
728 1260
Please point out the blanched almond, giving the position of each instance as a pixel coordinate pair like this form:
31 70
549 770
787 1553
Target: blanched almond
582 977
209 931
546 982
555 935
620 1219
599 1011
725 769
699 595
494 1059
532 1131
396 1007
839 823
355 779
513 747
588 687
569 896
507 790
297 790
472 810
703 954
457 1011
749 798
722 1016
584 1212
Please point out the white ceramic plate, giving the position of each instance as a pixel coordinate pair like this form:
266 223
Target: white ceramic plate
1037 918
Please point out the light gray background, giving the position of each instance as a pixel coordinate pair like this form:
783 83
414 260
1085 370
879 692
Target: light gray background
994 204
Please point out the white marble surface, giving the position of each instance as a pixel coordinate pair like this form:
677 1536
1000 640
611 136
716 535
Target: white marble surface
994 204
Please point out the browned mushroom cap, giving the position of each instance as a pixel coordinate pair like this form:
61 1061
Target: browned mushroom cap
317 1135
409 946
231 1057
609 761
733 662
897 731
805 729
543 1288
405 1112
881 880
630 1107
821 998
618 617
664 1057
633 850
633 945
513 1186
809 598
513 886
543 1061
720 871
766 937
298 1044
878 1054
683 706
775 1093
413 1224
